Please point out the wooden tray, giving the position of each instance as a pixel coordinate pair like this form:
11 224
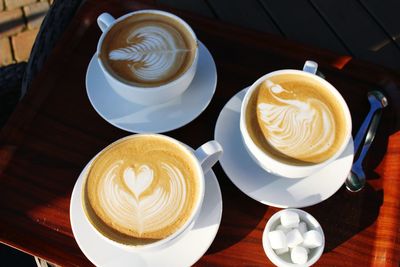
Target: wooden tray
55 131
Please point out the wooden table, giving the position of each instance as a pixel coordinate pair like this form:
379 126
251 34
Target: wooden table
55 131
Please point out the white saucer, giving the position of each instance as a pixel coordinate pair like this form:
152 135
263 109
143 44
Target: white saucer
165 117
185 251
267 188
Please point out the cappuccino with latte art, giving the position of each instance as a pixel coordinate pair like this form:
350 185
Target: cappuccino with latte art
148 50
142 189
296 119
148 57
294 123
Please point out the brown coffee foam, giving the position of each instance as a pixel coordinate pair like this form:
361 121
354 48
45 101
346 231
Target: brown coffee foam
256 134
109 232
116 38
304 87
133 148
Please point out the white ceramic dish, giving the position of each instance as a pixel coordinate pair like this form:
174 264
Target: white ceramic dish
284 261
185 251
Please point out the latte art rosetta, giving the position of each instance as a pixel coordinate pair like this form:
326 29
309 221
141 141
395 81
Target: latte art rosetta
298 128
136 201
151 53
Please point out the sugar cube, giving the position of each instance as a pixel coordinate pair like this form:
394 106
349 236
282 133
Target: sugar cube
281 250
277 239
290 219
294 238
307 249
282 228
302 227
299 255
312 239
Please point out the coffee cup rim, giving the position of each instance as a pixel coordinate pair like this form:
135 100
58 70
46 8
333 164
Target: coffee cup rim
152 88
290 170
186 226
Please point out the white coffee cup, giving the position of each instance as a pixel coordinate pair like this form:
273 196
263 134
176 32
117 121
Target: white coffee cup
204 158
274 165
148 95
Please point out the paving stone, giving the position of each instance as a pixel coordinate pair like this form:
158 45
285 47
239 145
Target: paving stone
6 57
11 22
22 44
35 13
11 4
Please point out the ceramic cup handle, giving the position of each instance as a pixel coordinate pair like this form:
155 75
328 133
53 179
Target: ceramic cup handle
208 154
104 21
310 67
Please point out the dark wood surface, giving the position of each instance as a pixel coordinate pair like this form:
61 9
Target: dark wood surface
384 13
364 29
55 131
302 23
356 27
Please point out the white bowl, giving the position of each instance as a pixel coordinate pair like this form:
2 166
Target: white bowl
284 259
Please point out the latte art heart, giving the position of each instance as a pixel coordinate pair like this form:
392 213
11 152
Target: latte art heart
137 184
142 207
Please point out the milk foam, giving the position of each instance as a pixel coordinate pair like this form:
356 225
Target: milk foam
297 128
152 53
137 202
